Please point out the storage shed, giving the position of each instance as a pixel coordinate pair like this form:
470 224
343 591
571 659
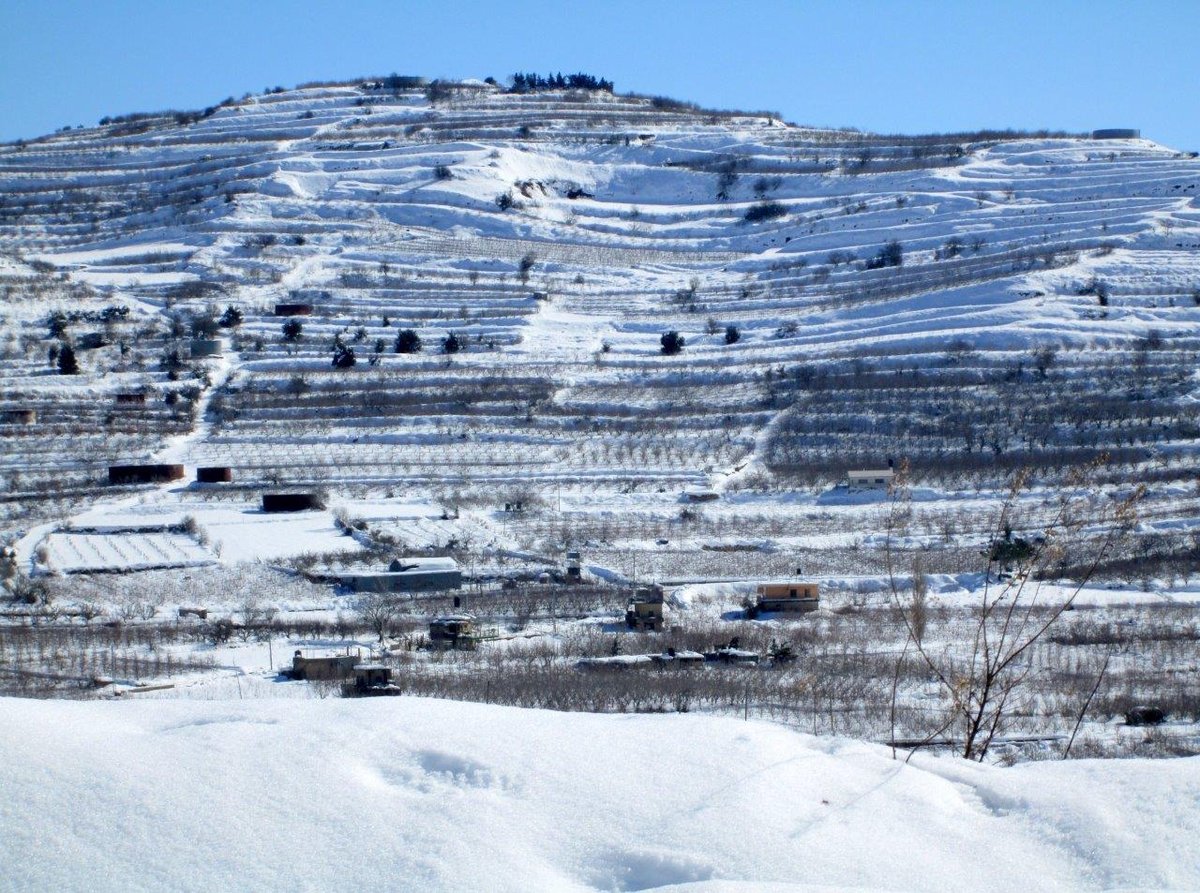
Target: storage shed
206 347
214 474
293 309
290 502
409 575
314 669
131 399
144 474
18 416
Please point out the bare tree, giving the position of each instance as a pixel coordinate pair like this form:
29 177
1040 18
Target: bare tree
982 684
378 612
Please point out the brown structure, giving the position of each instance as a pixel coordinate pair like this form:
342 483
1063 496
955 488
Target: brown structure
290 502
574 568
214 474
18 416
293 309
144 474
317 669
645 610
792 597
131 399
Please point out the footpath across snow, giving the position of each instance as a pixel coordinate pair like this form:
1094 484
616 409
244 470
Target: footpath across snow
416 794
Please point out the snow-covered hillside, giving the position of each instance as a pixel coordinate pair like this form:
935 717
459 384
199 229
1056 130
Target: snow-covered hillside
419 794
558 236
652 334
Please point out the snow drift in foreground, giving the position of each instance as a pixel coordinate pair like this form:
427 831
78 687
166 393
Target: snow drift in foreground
413 794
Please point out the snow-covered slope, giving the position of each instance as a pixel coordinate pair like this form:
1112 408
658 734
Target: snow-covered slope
416 794
1046 311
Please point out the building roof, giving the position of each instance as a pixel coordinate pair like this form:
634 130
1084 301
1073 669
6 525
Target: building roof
871 473
422 565
455 618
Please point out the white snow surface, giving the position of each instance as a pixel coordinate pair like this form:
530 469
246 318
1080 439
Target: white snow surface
419 794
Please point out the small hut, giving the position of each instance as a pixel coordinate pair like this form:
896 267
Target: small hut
792 597
371 680
317 669
214 474
18 416
293 309
574 568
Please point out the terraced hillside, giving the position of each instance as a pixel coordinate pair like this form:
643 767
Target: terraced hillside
974 305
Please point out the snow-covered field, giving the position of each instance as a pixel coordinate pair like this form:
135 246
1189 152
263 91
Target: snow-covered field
82 552
417 794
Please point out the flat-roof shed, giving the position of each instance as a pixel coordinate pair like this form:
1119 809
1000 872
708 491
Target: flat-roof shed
409 575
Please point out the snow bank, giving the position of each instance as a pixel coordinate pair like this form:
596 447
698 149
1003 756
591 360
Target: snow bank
434 795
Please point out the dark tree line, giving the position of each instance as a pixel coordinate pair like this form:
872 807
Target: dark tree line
527 82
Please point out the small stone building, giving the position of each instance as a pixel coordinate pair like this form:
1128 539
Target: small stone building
316 669
791 597
370 680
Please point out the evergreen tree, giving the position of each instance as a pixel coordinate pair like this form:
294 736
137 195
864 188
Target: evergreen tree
408 341
67 364
231 318
672 342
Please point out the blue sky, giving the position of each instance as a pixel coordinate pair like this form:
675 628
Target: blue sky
910 67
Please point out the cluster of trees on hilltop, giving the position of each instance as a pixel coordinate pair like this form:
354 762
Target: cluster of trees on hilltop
525 82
